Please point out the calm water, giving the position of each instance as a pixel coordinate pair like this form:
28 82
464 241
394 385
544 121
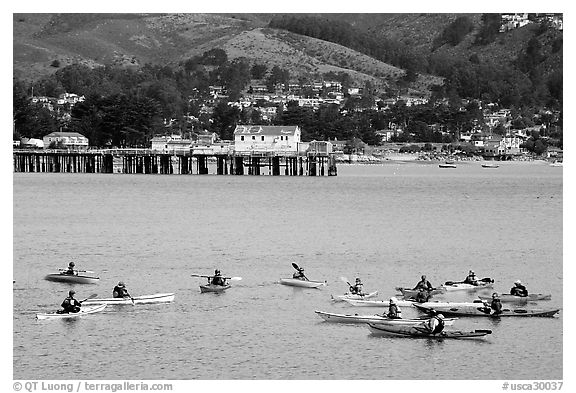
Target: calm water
389 224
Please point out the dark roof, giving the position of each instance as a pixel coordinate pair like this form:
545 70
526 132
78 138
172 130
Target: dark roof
65 134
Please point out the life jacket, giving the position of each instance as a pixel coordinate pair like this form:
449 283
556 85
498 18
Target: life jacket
119 292
438 324
71 305
496 305
394 311
217 280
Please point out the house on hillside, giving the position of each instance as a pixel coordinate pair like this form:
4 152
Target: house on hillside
65 140
264 139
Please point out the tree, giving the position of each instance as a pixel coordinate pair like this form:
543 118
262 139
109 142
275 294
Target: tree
258 71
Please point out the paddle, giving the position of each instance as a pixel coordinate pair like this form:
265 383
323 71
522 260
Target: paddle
485 279
79 271
89 297
487 331
295 266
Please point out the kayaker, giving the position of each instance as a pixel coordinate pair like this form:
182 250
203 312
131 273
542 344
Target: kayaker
299 274
393 309
471 279
71 269
518 289
120 291
218 279
71 305
496 304
422 296
356 289
435 324
423 283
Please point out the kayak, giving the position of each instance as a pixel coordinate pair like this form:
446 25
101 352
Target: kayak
483 312
146 299
294 282
213 288
507 298
83 311
460 286
346 318
413 331
408 292
377 303
354 296
72 278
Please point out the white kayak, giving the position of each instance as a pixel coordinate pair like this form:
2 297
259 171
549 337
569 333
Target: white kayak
294 282
340 298
507 298
377 303
146 299
83 311
378 319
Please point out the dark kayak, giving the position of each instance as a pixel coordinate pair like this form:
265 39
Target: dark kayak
486 312
414 331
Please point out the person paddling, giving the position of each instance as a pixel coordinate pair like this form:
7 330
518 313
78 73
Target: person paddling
120 291
356 289
471 278
393 309
299 274
424 283
71 270
435 324
422 296
217 279
495 305
70 304
518 289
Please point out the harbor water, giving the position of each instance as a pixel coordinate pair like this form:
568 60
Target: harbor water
387 224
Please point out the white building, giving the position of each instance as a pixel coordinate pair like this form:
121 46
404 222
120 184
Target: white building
256 138
67 140
172 143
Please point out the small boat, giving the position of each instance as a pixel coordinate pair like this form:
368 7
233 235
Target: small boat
294 282
61 315
377 303
146 299
507 298
447 166
557 163
379 319
490 166
414 331
486 312
209 287
462 286
213 288
340 298
72 278
409 292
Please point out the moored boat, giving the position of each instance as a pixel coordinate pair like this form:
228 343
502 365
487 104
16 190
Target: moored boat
490 166
213 288
507 298
379 319
146 299
83 311
487 312
340 298
414 331
294 282
447 166
72 278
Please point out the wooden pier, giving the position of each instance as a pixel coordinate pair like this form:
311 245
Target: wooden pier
147 161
